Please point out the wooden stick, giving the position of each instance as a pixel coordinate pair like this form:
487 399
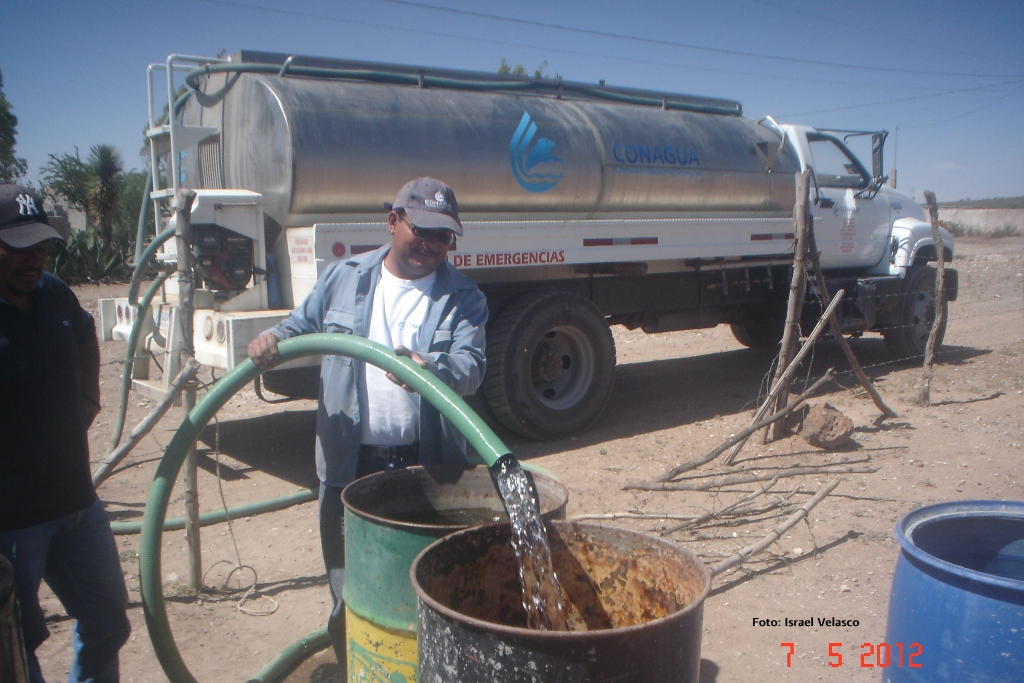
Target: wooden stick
736 438
185 313
143 428
940 298
797 291
711 515
630 515
825 297
747 477
788 374
744 554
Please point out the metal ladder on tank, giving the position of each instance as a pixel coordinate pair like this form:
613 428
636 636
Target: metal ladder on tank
168 137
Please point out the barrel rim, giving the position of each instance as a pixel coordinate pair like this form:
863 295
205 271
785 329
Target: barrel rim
533 634
439 529
928 514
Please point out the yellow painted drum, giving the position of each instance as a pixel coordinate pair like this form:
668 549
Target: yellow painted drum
377 654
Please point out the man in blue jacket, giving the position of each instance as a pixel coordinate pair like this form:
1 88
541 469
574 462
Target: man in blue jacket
52 525
406 296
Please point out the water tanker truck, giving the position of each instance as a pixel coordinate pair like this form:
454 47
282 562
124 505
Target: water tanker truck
584 206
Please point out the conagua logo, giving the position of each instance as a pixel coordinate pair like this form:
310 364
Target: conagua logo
534 165
438 201
26 205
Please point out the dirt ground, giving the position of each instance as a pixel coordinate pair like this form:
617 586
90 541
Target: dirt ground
676 396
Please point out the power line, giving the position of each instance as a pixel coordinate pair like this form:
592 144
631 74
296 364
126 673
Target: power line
560 50
688 46
910 99
875 31
966 113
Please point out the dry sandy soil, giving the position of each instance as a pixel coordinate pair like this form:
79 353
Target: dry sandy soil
676 395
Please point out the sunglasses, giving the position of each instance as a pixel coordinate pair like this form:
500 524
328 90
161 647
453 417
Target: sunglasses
441 236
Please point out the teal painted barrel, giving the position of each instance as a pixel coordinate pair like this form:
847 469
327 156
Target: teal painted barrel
956 609
389 518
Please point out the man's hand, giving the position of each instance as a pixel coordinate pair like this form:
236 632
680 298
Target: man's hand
263 351
416 358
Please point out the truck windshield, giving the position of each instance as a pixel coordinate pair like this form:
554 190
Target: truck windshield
834 165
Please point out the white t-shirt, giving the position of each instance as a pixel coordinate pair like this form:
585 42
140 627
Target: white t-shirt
389 414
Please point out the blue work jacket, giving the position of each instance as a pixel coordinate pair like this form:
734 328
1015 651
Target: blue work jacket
342 301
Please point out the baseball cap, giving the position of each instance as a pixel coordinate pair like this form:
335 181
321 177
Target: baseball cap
429 203
23 222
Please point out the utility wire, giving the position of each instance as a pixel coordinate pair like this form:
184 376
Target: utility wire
602 34
688 46
874 30
915 97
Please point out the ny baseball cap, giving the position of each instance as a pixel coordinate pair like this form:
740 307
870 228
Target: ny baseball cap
23 222
429 203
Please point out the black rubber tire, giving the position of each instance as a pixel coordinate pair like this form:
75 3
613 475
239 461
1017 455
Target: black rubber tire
762 327
916 314
550 365
293 382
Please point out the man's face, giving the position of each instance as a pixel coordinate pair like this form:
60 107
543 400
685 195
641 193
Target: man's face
413 257
20 269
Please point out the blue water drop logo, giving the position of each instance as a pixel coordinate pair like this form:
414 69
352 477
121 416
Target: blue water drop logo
534 164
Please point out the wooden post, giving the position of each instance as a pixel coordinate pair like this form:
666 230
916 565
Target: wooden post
185 312
826 298
797 290
940 299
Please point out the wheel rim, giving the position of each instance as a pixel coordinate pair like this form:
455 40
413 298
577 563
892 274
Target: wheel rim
922 315
562 367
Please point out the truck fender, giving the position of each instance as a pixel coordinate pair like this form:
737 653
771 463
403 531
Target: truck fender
914 244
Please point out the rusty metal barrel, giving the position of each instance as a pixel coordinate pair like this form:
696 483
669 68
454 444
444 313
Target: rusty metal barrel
634 604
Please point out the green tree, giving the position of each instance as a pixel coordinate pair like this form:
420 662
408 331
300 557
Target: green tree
105 193
105 187
12 168
506 69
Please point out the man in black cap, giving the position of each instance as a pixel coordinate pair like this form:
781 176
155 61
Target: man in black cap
407 296
52 524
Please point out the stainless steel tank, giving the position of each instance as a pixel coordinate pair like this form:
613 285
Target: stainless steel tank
336 150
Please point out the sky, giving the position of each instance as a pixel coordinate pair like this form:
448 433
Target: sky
945 78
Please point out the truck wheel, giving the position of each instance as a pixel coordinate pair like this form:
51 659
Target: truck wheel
762 327
293 382
550 365
764 335
916 315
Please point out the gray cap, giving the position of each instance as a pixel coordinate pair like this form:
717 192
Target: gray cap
23 222
429 203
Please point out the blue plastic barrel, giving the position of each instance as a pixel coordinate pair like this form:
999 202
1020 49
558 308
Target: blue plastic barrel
957 601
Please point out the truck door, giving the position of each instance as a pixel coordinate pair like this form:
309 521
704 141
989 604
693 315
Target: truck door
854 231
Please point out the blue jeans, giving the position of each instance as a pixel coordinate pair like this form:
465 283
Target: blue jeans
77 557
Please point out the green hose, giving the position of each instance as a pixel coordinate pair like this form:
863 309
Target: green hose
477 433
140 265
292 656
555 86
218 516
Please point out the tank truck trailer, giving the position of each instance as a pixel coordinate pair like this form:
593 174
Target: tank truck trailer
584 206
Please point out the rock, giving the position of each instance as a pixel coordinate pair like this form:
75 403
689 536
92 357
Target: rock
826 427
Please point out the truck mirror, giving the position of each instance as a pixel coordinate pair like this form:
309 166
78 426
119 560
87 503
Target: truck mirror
877 142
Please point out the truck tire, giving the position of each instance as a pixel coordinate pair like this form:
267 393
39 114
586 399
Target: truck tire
762 327
909 337
293 382
550 365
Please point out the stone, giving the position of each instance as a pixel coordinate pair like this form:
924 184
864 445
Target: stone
826 427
